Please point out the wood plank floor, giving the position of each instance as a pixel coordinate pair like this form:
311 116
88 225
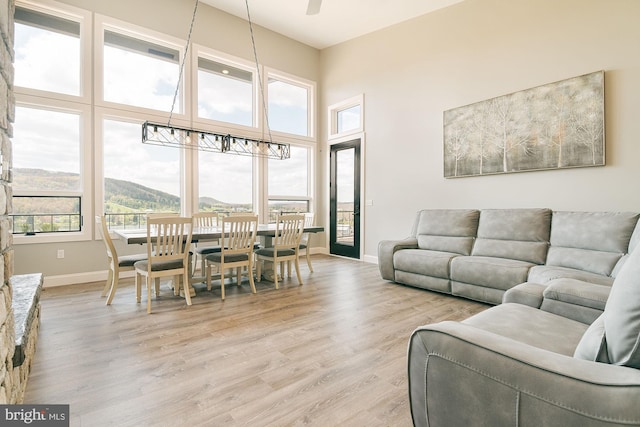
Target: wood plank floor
331 352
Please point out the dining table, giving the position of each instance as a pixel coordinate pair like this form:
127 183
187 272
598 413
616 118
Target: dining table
267 232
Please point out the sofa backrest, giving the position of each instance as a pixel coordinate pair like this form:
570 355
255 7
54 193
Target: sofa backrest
520 234
591 241
446 230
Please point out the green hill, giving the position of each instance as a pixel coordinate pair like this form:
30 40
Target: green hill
120 196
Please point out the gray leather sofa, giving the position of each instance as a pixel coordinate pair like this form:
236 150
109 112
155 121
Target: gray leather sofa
515 365
557 261
563 348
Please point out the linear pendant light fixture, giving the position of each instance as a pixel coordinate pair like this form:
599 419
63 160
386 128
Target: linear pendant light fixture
168 135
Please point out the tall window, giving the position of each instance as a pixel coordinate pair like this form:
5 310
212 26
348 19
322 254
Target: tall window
138 178
139 73
47 170
288 107
289 183
225 182
225 93
47 52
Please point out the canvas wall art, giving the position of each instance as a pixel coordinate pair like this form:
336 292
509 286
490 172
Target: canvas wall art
557 125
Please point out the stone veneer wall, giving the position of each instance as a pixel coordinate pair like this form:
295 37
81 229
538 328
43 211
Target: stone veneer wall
9 390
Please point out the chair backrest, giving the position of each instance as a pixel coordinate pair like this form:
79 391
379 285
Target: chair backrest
239 233
168 238
308 222
101 225
289 230
206 219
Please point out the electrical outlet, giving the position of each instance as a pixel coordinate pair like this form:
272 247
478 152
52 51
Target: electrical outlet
60 253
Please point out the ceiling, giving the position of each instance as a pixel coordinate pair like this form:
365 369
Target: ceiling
338 20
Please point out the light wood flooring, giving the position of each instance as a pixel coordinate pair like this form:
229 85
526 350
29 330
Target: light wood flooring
329 353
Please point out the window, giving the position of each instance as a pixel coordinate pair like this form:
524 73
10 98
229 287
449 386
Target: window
289 183
346 117
288 106
47 52
138 178
225 182
48 169
225 93
140 73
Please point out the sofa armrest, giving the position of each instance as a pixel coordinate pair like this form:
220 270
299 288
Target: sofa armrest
462 375
386 249
526 293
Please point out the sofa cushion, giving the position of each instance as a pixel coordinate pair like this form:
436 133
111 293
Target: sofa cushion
546 273
421 261
446 230
590 241
497 273
592 345
622 315
577 292
520 234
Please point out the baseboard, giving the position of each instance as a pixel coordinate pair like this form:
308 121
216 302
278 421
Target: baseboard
371 259
72 279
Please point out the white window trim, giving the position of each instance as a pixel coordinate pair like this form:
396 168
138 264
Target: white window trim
103 23
333 111
199 51
85 171
310 86
71 13
102 114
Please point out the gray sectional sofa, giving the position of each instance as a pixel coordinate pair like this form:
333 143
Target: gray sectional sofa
562 348
557 261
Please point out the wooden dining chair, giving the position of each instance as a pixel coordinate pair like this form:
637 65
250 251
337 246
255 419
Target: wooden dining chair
204 220
304 241
286 246
168 245
236 249
117 264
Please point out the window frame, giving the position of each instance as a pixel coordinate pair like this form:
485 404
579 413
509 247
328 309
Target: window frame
71 13
85 193
199 51
310 87
333 111
105 23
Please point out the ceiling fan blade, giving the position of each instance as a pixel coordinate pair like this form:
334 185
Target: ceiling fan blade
313 8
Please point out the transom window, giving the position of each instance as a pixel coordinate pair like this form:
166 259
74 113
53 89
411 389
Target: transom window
225 93
47 52
140 73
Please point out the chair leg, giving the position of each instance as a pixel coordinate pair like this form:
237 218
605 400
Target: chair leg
222 281
176 285
148 295
157 283
298 270
186 286
259 270
114 286
108 284
250 270
275 272
309 260
138 287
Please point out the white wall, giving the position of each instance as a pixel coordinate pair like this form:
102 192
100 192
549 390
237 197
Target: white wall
469 52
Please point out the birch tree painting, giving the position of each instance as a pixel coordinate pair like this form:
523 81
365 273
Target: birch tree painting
558 125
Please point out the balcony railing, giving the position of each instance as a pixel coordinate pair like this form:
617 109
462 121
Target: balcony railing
46 223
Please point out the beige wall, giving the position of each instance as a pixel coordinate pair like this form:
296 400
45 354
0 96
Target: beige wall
469 52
